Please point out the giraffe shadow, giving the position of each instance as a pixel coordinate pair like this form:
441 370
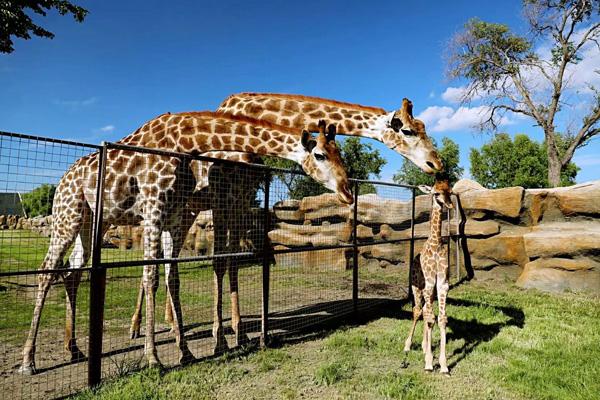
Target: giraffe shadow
473 332
301 324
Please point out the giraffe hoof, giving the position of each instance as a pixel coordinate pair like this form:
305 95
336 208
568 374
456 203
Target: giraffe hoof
241 339
134 334
27 369
186 357
77 355
220 347
429 369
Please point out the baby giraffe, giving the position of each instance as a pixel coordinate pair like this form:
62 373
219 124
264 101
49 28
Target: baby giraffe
431 268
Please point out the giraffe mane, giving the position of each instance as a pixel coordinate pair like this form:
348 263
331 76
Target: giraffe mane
240 118
300 97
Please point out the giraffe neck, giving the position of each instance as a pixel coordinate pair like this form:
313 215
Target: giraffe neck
305 112
435 222
201 132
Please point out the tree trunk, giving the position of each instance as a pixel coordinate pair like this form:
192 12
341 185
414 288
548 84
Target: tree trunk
554 164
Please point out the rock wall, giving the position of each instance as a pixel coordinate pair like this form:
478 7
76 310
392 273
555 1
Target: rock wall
545 238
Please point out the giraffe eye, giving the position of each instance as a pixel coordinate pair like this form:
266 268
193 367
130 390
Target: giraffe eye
408 132
320 157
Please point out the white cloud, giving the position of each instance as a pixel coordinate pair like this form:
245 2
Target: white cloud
75 103
443 118
107 128
454 94
432 95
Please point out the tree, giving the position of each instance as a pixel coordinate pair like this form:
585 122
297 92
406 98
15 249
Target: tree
15 22
39 200
511 75
410 174
360 160
503 162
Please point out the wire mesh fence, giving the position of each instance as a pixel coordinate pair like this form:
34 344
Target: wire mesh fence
218 255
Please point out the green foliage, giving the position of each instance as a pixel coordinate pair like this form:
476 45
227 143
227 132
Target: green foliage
39 200
493 51
360 160
503 162
16 22
410 174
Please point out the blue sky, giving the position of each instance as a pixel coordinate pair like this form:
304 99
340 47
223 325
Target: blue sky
132 60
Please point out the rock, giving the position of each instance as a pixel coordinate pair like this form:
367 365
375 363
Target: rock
506 202
473 228
579 199
363 232
559 274
307 235
465 185
390 252
287 259
505 248
334 259
562 238
289 215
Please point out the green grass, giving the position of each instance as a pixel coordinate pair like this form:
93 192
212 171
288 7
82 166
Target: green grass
504 343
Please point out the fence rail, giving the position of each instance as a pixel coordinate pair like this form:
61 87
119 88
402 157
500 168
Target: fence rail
298 266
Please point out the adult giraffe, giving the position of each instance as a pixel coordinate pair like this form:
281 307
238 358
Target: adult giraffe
398 130
152 189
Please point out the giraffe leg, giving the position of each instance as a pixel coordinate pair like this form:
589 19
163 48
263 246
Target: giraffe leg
59 243
28 365
173 286
152 231
167 248
136 319
442 290
429 321
417 311
241 338
218 332
72 280
77 260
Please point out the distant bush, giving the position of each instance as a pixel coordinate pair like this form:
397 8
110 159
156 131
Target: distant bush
39 200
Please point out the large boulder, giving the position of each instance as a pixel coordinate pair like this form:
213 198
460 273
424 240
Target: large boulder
505 248
505 202
562 239
559 274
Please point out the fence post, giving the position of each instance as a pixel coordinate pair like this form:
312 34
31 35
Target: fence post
355 249
97 281
266 277
412 248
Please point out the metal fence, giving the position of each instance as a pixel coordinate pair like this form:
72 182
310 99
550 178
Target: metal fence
293 264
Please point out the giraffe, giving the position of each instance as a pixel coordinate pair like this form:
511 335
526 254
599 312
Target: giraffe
430 270
152 189
399 130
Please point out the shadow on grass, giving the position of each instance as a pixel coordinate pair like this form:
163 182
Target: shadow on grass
319 320
287 327
474 332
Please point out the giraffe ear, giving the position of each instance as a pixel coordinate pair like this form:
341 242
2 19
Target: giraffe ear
330 133
407 107
425 189
307 141
322 124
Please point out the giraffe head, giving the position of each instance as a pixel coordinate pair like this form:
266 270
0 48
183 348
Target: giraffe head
406 135
323 162
440 192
